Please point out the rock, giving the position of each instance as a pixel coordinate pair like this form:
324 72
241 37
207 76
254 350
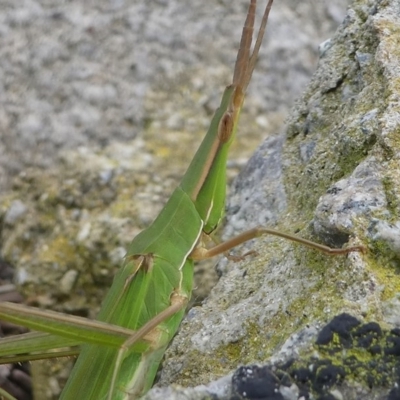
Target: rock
16 211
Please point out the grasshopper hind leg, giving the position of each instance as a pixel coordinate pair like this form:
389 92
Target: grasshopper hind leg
201 253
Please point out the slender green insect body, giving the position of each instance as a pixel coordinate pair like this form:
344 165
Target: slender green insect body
154 273
196 206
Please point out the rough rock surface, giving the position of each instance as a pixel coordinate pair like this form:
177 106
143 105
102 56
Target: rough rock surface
332 174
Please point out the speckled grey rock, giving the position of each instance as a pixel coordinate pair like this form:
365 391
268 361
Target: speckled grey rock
362 193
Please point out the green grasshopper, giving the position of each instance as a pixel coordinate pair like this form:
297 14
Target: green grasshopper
122 350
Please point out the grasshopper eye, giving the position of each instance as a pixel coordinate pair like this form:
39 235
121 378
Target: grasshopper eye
225 127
